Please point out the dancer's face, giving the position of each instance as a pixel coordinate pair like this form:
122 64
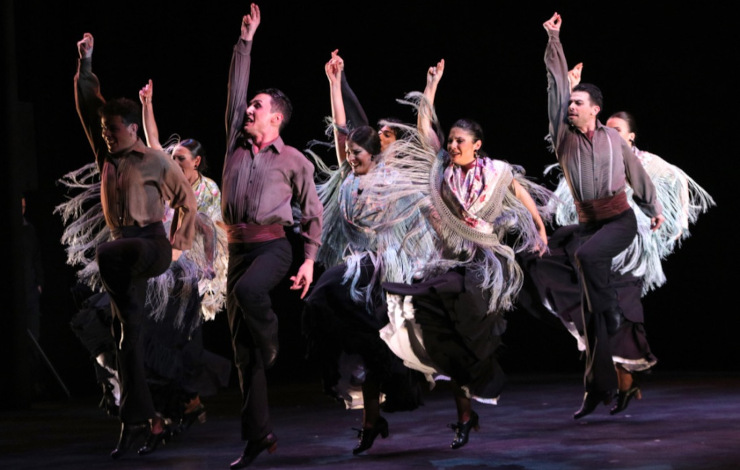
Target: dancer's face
118 135
387 137
189 164
581 112
461 145
359 159
259 116
622 127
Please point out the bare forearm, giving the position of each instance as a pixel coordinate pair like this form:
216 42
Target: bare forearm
151 132
339 119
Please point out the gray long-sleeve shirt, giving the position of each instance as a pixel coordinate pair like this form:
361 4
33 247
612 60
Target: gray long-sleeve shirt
136 183
598 167
257 188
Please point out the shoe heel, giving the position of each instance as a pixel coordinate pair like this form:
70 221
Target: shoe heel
475 425
202 418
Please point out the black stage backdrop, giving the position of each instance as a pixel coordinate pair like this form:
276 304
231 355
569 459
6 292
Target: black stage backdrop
670 67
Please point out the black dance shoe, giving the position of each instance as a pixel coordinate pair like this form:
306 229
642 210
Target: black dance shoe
129 434
253 449
590 401
198 414
462 430
623 399
154 440
367 435
270 346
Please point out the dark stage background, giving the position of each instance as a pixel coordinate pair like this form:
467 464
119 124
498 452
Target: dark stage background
670 67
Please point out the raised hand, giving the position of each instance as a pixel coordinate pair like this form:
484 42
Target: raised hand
333 68
250 23
423 118
434 74
340 62
574 75
85 46
554 23
145 94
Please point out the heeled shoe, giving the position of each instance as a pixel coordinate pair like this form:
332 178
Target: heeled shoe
130 433
462 430
198 414
367 435
253 449
623 399
154 440
590 401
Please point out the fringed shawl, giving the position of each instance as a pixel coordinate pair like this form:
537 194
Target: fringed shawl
204 265
359 224
420 168
682 199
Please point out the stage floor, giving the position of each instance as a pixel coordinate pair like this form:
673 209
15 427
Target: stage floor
687 421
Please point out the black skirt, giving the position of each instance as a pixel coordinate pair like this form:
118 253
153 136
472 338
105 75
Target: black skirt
337 327
460 336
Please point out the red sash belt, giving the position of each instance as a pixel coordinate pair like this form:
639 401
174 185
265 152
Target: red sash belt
600 209
249 233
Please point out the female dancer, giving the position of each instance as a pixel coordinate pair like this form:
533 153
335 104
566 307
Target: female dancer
450 324
345 309
180 368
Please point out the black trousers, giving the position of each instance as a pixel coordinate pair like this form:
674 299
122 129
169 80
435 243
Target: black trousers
599 242
254 270
125 265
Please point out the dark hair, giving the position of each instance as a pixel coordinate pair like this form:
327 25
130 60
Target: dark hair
129 110
280 103
593 92
474 128
470 126
197 149
628 118
367 138
398 131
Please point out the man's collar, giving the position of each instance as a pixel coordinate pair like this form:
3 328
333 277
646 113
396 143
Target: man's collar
277 144
139 148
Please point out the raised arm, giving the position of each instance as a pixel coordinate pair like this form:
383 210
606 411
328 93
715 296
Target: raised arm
333 69
356 116
87 94
558 88
241 61
426 110
147 115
